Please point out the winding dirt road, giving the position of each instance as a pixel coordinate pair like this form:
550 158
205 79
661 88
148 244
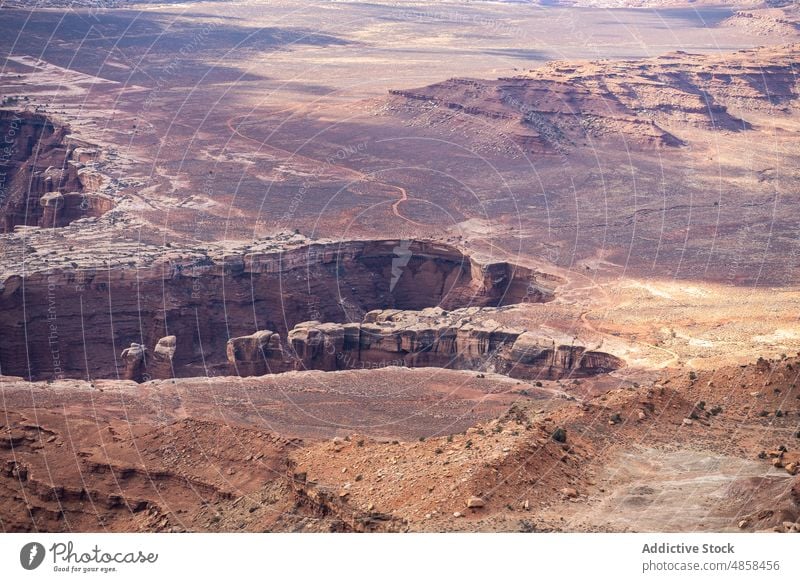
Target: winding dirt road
344 172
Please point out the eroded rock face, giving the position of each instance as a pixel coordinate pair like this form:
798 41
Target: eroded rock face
141 364
133 359
252 355
61 209
206 299
44 183
431 337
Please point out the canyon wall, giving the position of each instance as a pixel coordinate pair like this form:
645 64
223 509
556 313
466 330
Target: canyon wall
82 322
43 178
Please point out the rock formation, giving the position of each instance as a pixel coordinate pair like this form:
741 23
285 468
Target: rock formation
160 363
251 355
459 339
140 364
768 22
205 297
564 105
133 359
43 182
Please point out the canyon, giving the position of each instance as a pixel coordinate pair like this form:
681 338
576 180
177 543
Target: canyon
49 180
156 308
362 267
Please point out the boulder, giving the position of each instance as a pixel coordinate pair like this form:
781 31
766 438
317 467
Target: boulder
475 502
560 435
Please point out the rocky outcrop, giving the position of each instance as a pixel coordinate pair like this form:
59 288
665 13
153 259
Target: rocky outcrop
463 339
133 360
257 354
41 181
543 115
318 346
61 209
644 103
325 502
206 297
771 22
160 364
140 365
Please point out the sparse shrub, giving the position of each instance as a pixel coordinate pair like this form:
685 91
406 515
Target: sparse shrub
692 375
560 435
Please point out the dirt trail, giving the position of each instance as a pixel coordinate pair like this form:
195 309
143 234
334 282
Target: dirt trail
343 172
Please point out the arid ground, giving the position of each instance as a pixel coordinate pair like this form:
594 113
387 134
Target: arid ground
451 266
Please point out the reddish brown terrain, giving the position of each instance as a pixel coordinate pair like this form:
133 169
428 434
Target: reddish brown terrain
361 267
280 453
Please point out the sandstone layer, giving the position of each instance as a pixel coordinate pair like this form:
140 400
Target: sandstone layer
48 179
79 322
466 339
